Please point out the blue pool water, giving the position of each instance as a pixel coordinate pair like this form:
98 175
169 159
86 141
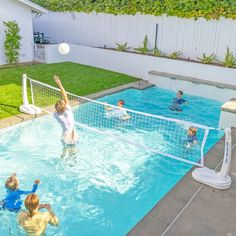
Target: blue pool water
112 185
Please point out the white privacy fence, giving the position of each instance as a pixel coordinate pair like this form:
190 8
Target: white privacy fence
192 37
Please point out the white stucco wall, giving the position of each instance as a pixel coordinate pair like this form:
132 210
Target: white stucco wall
13 10
139 66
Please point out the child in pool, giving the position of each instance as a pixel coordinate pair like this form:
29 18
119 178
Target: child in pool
33 221
119 112
12 201
178 101
65 117
192 138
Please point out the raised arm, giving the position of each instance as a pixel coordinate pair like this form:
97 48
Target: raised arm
35 187
63 92
51 217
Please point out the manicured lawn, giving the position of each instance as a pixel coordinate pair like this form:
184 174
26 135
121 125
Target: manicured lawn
78 79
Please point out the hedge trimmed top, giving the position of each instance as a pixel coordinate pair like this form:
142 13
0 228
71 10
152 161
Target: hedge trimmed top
209 9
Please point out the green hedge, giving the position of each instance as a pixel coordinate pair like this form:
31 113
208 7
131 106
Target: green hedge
209 9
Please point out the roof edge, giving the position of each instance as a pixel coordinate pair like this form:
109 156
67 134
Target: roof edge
34 6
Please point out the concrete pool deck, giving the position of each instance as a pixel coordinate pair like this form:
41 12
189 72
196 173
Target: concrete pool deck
191 208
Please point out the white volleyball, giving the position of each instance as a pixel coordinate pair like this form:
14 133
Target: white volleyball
64 48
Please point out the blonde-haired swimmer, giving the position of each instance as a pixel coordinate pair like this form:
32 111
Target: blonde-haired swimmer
65 117
118 112
192 136
12 201
33 221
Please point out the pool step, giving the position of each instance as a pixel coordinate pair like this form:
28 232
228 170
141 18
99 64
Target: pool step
194 80
140 84
193 86
143 84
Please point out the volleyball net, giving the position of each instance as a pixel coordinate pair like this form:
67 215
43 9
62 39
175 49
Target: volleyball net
160 135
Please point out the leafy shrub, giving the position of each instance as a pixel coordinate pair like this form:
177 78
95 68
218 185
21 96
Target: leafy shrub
230 59
12 41
207 59
144 49
122 47
209 9
157 53
175 55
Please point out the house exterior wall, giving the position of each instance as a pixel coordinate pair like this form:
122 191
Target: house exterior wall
13 10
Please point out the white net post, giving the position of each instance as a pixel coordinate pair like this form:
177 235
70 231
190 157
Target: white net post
24 90
26 107
227 154
218 180
203 145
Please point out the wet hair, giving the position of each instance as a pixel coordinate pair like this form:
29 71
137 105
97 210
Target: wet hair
193 129
181 92
12 182
31 203
60 107
122 102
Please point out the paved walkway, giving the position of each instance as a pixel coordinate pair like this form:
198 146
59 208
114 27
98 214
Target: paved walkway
193 209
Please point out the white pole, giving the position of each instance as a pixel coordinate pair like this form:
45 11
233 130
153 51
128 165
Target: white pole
203 145
227 154
24 90
32 92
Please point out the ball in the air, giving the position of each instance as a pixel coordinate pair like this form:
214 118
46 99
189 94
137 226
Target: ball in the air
64 48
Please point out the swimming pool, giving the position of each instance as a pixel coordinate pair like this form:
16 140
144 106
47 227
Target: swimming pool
112 185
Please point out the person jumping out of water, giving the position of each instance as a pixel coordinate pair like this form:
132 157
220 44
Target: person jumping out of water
65 117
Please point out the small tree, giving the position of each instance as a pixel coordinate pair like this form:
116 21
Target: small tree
12 43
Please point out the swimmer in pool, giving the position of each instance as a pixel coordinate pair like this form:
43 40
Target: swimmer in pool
12 201
192 136
65 117
178 101
118 112
32 220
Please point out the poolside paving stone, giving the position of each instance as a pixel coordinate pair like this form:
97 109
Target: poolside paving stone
149 227
209 213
